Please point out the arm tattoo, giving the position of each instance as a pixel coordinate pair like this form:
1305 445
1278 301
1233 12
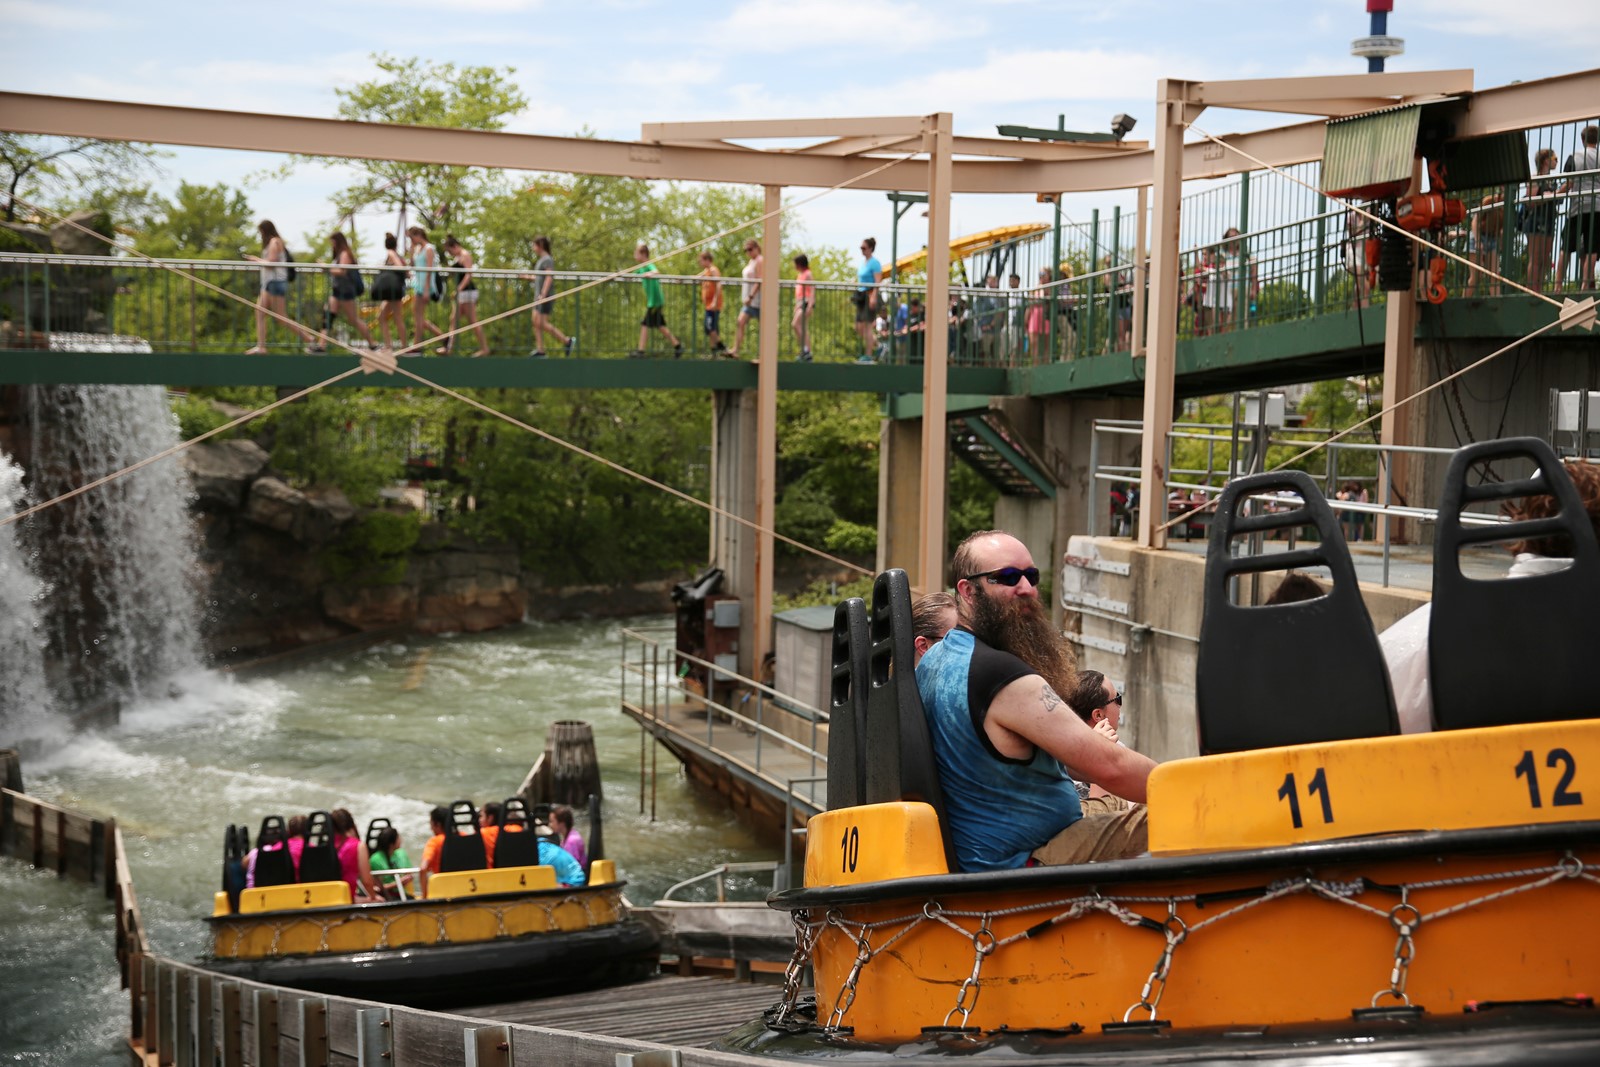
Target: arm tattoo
1048 698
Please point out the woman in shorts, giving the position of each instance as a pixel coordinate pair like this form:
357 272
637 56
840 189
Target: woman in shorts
345 290
424 262
389 290
466 297
273 302
805 301
1539 213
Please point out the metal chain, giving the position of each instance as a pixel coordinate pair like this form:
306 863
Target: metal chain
1405 918
983 943
797 962
1177 934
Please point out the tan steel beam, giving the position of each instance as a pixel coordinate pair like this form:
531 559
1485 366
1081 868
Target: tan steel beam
1252 94
249 131
850 146
1564 98
1049 151
745 129
930 535
1172 115
766 428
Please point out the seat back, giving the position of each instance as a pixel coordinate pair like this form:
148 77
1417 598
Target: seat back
273 863
898 750
374 828
463 846
1286 674
517 845
319 859
1525 635
235 846
847 705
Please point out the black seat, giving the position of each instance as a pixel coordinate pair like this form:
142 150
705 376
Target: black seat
517 845
463 846
319 859
847 704
235 846
1522 636
374 828
1286 674
894 750
273 864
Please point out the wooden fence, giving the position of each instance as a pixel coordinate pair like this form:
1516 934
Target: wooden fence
182 1015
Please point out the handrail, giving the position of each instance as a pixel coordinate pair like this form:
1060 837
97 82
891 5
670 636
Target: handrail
720 873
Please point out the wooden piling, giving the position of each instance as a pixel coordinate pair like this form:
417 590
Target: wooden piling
574 768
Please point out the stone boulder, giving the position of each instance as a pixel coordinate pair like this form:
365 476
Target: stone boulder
312 518
222 471
374 607
69 240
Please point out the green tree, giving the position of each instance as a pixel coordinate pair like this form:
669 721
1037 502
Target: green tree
414 92
59 172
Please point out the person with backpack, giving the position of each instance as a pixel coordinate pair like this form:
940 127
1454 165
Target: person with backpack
389 290
1582 235
544 289
466 308
426 284
345 289
273 302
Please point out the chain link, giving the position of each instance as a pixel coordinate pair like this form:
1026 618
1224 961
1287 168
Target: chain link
1406 918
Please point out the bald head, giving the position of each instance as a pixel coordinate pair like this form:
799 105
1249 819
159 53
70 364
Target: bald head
975 561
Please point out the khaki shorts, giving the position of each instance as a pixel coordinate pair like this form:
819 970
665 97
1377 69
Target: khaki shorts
1101 834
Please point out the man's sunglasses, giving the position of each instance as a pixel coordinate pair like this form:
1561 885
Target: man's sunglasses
1008 576
1117 700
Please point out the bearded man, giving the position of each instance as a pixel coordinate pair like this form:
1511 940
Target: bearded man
1006 745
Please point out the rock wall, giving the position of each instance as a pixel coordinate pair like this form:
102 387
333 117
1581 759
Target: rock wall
288 567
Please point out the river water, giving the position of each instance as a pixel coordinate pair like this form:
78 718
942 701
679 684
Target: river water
343 730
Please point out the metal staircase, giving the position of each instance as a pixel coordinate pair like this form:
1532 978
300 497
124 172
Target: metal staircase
989 444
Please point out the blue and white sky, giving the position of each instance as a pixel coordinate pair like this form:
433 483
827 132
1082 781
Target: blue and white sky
610 65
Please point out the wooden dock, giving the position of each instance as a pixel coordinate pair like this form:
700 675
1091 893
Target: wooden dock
671 1010
757 766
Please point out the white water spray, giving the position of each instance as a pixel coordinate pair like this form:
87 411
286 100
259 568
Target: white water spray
27 708
120 559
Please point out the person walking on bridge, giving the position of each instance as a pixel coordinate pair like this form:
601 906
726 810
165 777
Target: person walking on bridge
273 300
544 290
345 289
424 263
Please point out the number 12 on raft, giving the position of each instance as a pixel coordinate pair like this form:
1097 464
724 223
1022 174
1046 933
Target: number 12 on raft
1318 786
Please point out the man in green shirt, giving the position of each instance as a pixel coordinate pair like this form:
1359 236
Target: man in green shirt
655 317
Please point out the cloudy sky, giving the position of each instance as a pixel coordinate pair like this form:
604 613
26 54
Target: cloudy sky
609 65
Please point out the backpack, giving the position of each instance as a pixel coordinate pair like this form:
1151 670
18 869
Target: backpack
436 287
361 285
288 258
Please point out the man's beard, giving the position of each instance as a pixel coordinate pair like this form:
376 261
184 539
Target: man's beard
1020 626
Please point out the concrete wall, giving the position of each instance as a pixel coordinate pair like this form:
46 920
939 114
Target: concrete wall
733 487
1154 618
900 496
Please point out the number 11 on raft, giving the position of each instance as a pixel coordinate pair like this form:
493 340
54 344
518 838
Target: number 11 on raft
1317 786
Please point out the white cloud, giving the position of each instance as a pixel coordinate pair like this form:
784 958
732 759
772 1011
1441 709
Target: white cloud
895 26
1028 76
32 13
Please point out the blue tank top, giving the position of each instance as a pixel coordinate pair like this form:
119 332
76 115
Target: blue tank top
1000 809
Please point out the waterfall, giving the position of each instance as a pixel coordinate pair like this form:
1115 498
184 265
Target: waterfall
27 709
119 561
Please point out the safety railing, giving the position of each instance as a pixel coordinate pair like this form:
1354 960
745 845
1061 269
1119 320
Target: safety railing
1355 476
776 740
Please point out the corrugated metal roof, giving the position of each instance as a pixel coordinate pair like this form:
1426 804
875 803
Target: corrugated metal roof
1361 155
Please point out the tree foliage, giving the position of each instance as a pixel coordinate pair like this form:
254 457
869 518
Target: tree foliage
61 172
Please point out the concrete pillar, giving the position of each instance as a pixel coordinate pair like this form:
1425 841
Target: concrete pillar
766 438
1172 113
900 501
733 488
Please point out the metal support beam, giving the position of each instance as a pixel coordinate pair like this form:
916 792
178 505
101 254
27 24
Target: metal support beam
1399 372
767 430
1141 270
931 532
736 129
1173 113
1306 96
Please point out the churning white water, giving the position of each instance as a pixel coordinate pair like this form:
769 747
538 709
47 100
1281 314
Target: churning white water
120 618
27 708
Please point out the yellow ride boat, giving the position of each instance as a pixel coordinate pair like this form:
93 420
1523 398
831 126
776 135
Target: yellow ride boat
1317 884
479 935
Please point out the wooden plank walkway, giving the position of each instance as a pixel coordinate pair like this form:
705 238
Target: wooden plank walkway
691 1012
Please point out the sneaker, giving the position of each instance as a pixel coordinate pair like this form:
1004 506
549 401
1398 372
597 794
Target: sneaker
572 343
677 350
805 355
636 354
538 353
